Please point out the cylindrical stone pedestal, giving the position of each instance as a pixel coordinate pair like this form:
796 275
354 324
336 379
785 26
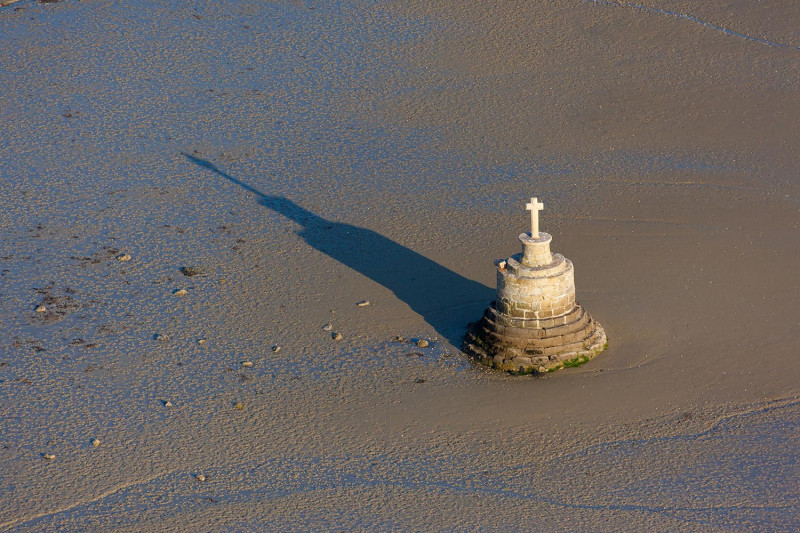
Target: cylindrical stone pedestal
535 325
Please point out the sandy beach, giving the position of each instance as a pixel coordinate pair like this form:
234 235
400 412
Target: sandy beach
297 158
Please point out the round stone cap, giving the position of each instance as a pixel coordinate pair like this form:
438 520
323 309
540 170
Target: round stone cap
526 238
536 252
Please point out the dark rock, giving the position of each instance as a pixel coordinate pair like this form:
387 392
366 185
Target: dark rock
192 271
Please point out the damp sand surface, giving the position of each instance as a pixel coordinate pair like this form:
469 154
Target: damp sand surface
300 158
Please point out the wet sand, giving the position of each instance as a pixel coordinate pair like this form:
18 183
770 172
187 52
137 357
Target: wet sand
307 157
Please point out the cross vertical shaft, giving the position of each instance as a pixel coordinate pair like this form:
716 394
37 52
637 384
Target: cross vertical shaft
534 207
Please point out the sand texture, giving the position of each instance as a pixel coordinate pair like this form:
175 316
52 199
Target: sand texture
303 157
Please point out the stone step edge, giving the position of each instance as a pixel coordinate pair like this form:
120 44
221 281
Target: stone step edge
476 353
534 323
578 323
553 347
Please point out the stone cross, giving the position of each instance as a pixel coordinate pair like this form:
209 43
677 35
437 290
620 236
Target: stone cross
534 207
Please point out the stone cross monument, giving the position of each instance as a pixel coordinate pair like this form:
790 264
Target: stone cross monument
534 207
535 325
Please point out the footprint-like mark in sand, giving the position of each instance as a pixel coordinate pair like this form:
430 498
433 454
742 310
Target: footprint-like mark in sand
692 18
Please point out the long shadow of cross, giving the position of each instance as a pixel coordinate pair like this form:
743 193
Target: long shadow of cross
446 300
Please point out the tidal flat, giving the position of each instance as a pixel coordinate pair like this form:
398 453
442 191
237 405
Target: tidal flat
199 195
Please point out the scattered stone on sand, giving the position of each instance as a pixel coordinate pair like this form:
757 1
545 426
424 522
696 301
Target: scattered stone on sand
201 341
41 309
180 292
162 338
327 327
399 338
123 257
419 380
247 364
422 343
49 456
96 443
200 477
167 403
192 271
337 336
239 406
363 303
276 349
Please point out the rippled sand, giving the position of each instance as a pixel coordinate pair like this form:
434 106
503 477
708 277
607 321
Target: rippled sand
309 156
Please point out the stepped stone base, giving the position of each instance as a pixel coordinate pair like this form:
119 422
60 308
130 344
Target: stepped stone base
534 345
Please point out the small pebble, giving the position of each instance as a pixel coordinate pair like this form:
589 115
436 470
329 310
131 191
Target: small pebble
200 477
41 309
422 343
363 303
327 327
419 380
123 257
337 336
399 338
49 456
239 406
168 404
96 443
180 292
276 349
162 338
201 341
247 364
